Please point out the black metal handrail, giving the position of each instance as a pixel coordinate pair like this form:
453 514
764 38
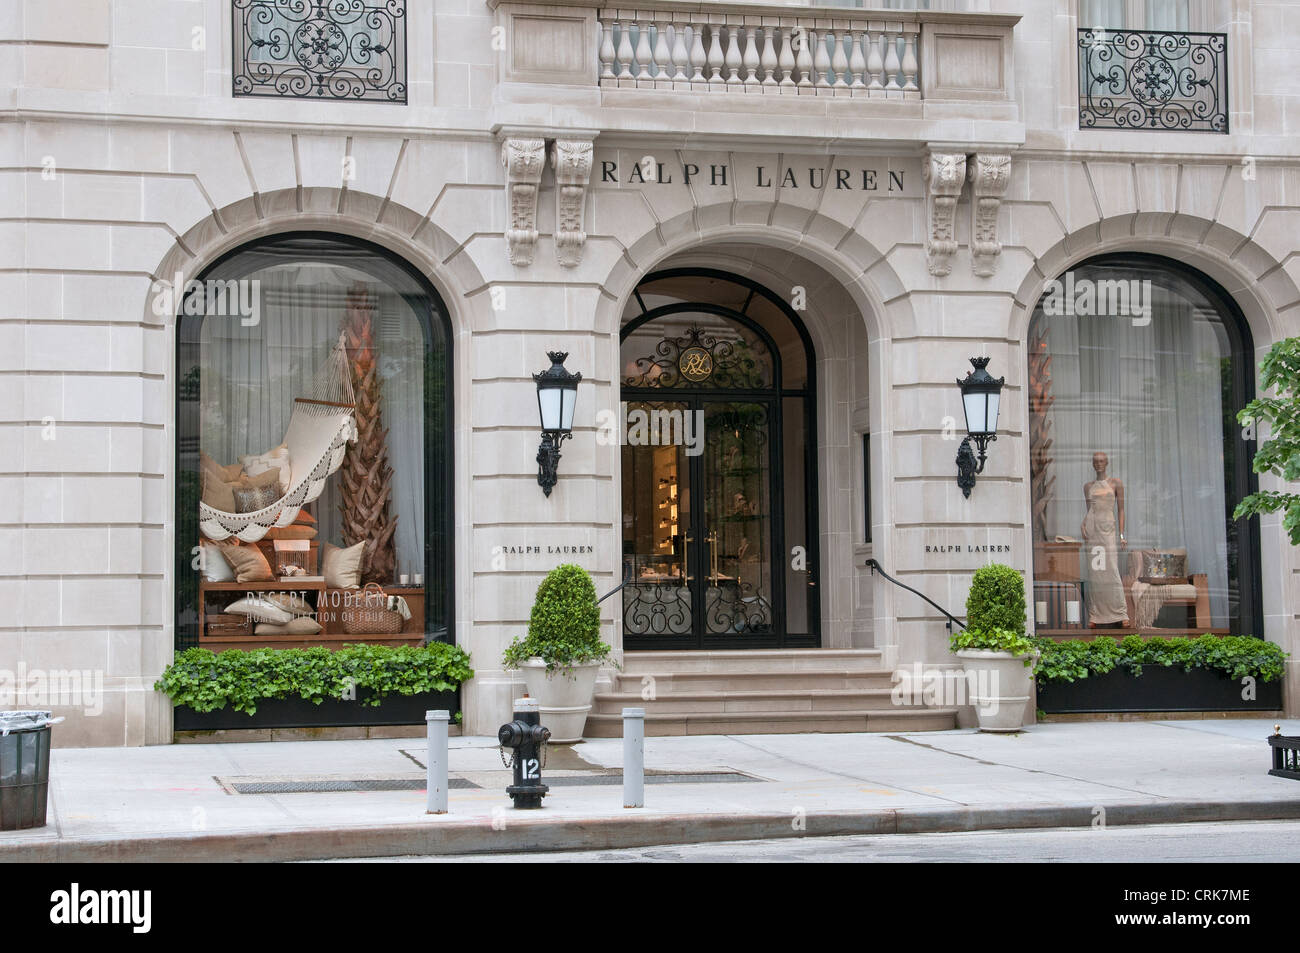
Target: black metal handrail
952 619
627 577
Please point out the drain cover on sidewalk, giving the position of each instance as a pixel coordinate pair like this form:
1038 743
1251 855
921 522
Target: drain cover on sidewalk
718 777
328 785
481 779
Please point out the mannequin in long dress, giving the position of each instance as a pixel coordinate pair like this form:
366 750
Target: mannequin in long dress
1103 537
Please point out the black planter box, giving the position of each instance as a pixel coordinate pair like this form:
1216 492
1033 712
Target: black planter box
331 713
1160 688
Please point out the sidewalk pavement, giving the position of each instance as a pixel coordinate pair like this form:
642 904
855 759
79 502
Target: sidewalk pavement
177 802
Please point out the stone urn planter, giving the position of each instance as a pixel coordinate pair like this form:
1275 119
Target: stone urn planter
998 684
564 696
564 635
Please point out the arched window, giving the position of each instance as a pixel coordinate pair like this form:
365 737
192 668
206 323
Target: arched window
260 329
719 478
1137 369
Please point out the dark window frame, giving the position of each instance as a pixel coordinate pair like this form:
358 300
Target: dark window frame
1241 352
439 496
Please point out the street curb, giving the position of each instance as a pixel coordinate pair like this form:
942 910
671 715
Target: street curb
533 832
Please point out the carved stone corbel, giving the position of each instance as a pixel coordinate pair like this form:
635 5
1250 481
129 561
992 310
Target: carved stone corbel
989 175
572 161
524 160
944 173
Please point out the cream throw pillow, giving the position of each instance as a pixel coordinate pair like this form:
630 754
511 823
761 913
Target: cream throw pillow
215 567
290 602
260 609
342 567
277 458
299 626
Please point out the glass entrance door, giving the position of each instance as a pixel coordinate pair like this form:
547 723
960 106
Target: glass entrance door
698 524
735 520
719 471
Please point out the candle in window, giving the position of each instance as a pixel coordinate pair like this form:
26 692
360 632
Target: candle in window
1072 613
1040 613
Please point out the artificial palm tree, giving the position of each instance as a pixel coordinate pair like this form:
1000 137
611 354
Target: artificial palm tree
366 478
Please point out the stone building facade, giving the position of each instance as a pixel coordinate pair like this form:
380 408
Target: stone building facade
910 200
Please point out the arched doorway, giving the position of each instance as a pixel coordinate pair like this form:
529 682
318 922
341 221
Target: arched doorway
718 466
1138 366
282 302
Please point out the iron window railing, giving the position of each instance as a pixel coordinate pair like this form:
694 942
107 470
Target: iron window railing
320 49
1155 80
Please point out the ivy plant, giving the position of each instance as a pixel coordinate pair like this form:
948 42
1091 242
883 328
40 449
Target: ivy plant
1280 454
564 627
207 681
1237 656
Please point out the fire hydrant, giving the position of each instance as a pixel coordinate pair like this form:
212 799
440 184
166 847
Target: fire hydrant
526 738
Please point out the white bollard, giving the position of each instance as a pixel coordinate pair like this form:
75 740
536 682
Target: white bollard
634 757
437 761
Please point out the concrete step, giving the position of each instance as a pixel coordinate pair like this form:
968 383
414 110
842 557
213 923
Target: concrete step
837 679
771 723
776 702
751 660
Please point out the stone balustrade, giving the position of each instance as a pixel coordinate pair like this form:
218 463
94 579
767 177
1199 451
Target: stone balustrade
758 49
718 49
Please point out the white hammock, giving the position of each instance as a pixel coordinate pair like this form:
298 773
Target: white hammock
320 428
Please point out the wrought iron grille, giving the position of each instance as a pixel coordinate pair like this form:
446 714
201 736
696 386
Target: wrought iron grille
1149 79
320 49
700 358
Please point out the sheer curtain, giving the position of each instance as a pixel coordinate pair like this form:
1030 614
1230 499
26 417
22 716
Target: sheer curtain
1172 15
1151 398
251 375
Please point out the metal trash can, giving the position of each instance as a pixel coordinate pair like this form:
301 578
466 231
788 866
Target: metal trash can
24 768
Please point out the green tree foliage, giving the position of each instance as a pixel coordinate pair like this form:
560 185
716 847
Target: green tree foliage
1280 454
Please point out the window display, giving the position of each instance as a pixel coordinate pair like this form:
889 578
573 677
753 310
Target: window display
1137 369
313 450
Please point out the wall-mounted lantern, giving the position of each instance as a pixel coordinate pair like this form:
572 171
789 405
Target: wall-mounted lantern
981 394
557 395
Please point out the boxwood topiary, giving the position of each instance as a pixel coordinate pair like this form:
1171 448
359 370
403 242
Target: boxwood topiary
995 614
996 600
564 627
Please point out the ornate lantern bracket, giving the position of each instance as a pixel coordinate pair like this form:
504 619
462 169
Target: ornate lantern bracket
557 392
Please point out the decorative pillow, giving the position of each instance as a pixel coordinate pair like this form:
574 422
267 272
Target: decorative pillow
227 474
250 499
217 493
220 495
260 609
277 458
342 567
1162 567
293 531
214 565
290 602
248 563
299 626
